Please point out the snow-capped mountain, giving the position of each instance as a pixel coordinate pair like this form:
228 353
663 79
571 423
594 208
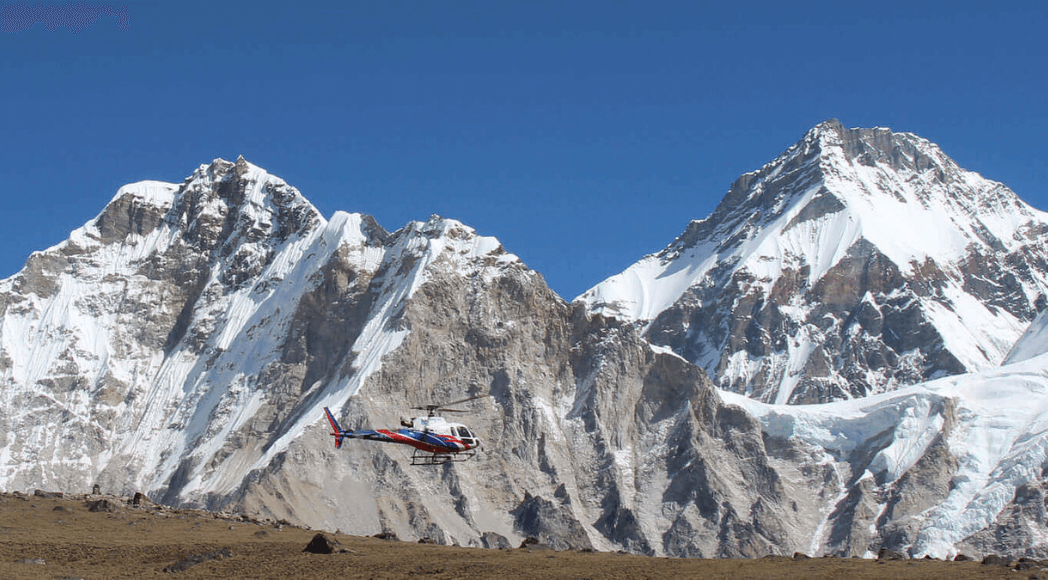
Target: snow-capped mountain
184 321
184 342
858 261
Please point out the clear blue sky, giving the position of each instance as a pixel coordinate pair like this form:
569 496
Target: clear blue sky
582 134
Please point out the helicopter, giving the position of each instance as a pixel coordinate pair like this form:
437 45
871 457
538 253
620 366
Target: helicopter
436 441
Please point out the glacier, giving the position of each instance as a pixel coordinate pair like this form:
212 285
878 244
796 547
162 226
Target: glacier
1000 440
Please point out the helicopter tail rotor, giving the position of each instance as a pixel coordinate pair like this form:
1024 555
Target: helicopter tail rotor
336 430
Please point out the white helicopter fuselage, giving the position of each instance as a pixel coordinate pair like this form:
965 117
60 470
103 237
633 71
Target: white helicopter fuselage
440 426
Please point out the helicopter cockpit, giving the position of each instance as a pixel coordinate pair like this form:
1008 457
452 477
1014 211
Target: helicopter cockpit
466 436
441 426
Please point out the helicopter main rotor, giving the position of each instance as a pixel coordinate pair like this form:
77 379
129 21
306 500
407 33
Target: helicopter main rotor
445 407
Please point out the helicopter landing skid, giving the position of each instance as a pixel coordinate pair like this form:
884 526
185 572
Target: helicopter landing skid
420 457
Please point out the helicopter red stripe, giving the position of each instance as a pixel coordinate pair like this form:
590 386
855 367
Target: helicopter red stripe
417 444
394 435
398 438
449 439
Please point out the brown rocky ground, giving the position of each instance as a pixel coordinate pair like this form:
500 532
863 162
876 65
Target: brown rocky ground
97 536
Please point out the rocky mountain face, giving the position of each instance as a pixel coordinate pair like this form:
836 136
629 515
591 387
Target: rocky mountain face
858 261
184 342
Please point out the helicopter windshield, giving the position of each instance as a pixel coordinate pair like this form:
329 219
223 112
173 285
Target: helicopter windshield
465 435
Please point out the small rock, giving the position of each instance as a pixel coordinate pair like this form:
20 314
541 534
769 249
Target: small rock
1026 564
532 543
886 554
801 556
320 544
995 560
187 563
961 558
102 505
34 561
386 536
493 541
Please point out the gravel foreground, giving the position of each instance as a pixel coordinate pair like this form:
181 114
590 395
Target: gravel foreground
46 535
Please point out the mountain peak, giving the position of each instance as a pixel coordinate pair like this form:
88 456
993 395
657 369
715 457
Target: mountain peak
899 151
814 276
829 126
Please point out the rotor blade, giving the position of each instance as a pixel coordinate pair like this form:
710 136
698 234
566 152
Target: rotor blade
464 400
444 407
